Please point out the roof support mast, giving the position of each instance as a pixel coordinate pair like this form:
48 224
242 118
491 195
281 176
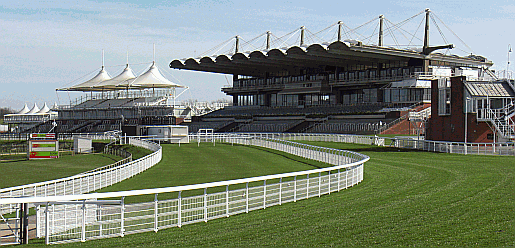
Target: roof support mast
426 30
268 34
426 49
426 42
381 38
340 23
237 44
302 35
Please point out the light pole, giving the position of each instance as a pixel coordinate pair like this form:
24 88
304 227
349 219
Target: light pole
508 64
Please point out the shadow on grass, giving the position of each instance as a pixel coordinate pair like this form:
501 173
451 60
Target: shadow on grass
284 156
381 149
13 160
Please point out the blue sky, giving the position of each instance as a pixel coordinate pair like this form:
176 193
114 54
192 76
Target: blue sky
49 44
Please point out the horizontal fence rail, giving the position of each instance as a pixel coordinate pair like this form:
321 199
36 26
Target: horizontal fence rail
72 218
69 217
86 182
507 149
60 136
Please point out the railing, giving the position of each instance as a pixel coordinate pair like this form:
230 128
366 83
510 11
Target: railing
421 115
60 136
407 143
67 220
500 118
127 157
391 124
457 147
121 94
85 182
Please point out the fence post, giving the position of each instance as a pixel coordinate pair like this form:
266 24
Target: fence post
156 212
329 187
47 224
280 190
38 219
179 215
264 194
83 233
339 178
247 197
205 204
307 187
319 184
227 200
295 189
122 216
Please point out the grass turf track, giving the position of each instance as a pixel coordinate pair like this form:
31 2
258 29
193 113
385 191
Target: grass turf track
19 171
189 164
14 173
407 198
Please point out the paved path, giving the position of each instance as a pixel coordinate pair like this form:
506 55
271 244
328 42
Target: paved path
7 236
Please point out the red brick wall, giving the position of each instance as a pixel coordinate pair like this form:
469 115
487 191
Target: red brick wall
452 127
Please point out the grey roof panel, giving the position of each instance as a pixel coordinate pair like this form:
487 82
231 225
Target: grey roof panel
490 89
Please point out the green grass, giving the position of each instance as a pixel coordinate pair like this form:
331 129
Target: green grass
189 164
137 152
407 198
19 171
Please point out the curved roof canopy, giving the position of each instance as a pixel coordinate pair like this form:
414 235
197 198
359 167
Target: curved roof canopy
34 109
88 85
44 110
152 78
123 80
338 53
24 110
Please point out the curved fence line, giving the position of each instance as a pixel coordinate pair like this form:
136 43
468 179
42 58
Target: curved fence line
504 149
68 220
85 182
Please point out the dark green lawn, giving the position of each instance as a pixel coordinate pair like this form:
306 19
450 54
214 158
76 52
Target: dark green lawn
407 198
189 164
19 171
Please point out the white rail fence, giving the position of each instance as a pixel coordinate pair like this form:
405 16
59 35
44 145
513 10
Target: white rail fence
503 149
83 217
69 215
61 136
85 182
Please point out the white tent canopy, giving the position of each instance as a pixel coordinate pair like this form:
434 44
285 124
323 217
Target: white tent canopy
44 110
152 78
24 110
121 81
34 109
88 85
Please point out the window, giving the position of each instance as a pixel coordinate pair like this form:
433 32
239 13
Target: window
444 101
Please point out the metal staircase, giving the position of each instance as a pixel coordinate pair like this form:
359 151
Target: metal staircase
501 119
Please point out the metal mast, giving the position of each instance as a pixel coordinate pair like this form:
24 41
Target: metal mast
426 33
381 22
236 49
268 33
302 35
340 23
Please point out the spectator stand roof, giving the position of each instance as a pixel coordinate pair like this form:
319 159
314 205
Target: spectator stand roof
150 79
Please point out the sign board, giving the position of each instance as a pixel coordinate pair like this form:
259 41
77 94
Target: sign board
169 133
82 145
42 135
43 149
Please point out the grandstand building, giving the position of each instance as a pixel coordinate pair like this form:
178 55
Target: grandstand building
26 119
343 86
472 111
125 100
